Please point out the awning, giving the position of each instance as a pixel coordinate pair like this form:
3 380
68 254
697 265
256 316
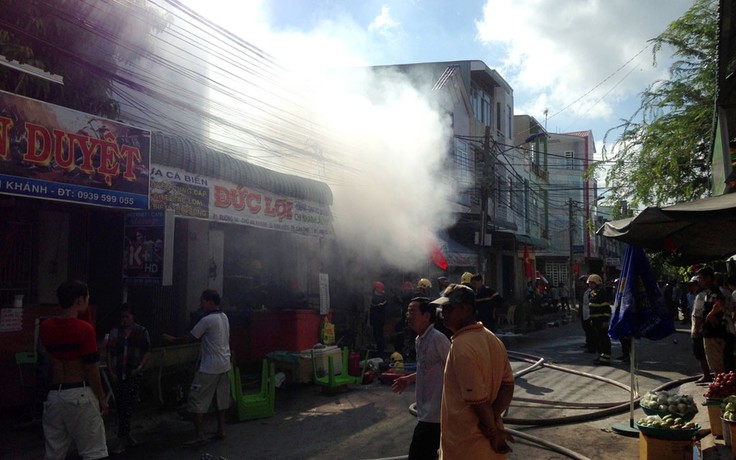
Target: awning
498 222
178 152
537 243
696 231
455 253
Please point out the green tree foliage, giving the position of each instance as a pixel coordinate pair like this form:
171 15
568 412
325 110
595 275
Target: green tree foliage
84 41
662 153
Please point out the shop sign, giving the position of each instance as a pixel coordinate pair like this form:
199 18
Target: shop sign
148 250
51 152
11 319
192 195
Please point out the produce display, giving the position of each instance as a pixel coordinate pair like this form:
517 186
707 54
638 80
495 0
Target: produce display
669 422
723 385
667 427
728 408
668 403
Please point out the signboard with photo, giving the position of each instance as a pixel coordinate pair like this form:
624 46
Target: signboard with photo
52 152
192 195
148 250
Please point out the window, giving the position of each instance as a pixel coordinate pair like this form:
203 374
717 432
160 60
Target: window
498 117
509 121
556 272
499 192
481 102
570 159
511 193
461 159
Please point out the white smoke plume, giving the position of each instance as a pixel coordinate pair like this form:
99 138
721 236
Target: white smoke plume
381 142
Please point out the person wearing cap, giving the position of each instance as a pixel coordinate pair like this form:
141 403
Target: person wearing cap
377 315
713 320
600 315
478 383
466 278
432 348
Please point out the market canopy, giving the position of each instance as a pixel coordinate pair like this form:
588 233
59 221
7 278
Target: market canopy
696 231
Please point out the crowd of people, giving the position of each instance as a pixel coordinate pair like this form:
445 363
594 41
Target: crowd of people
463 384
76 402
712 302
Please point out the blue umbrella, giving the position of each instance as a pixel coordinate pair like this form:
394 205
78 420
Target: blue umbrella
639 307
639 310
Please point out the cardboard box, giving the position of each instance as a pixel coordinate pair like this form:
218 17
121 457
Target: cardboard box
664 449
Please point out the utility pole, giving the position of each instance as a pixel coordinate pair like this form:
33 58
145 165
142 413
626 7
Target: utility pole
486 188
571 262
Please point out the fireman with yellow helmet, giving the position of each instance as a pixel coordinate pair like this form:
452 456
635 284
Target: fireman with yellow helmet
424 287
600 315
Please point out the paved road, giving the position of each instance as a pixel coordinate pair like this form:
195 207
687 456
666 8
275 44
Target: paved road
370 421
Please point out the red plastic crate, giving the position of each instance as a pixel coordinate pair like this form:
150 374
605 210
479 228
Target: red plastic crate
290 330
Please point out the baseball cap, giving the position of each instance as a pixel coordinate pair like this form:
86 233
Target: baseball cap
454 294
694 279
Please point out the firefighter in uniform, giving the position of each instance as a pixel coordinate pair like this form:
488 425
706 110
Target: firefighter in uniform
600 316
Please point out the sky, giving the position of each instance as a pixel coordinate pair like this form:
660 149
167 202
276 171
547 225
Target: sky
583 61
574 65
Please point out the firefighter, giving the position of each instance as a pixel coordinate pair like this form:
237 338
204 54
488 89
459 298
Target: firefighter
600 316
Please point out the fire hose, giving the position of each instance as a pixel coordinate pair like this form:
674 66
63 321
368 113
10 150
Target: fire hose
607 409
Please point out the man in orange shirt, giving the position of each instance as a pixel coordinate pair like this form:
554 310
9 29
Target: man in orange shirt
478 383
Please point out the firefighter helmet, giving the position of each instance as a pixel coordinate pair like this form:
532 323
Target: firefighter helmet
595 279
424 283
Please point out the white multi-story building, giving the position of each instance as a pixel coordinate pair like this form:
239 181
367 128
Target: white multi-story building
572 199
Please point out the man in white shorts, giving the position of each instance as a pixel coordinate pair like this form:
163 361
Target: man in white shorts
212 379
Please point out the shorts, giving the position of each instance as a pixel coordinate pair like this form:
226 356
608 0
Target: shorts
714 348
204 388
73 415
698 348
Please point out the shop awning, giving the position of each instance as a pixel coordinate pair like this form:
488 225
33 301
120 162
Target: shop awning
502 223
537 243
696 231
178 152
455 253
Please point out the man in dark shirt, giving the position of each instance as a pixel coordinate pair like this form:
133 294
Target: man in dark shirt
487 302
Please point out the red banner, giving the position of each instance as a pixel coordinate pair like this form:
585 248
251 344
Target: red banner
528 264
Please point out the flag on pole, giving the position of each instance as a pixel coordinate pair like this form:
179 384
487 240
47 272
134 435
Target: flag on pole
639 306
528 265
437 258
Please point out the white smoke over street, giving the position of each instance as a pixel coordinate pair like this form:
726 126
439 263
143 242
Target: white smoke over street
380 143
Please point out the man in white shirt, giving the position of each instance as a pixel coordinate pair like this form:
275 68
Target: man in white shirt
212 379
432 348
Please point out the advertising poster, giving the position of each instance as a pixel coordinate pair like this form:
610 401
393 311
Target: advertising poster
148 248
51 152
191 195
